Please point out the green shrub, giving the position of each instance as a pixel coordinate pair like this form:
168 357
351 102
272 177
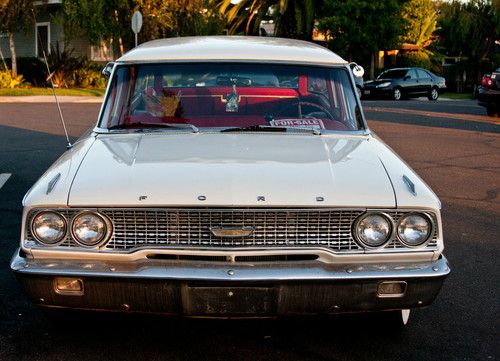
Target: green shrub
86 77
417 59
7 81
69 71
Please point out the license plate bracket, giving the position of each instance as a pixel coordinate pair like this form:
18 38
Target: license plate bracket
228 301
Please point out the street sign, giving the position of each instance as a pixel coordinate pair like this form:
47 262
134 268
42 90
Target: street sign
136 24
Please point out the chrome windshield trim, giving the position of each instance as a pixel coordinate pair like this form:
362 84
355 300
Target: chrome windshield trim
324 132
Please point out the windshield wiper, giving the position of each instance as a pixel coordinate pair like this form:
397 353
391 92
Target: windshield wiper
166 125
255 128
269 128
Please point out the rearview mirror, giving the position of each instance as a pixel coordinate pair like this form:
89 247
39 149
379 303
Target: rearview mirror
228 81
108 68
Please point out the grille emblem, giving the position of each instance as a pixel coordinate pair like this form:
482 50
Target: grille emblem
231 232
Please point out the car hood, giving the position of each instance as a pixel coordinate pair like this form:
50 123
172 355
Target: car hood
244 169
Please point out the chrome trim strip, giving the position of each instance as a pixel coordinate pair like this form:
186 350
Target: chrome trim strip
410 185
215 271
52 183
324 255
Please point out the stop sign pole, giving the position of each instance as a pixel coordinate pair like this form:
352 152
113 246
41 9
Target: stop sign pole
136 24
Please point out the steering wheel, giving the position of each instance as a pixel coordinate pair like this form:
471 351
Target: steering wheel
299 104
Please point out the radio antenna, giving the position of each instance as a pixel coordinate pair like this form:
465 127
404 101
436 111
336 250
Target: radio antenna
49 77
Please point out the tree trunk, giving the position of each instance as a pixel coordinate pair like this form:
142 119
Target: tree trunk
3 59
120 43
120 40
12 48
372 65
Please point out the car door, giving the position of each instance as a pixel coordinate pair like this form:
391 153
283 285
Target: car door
410 82
424 81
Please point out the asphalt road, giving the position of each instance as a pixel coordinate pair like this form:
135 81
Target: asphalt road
452 145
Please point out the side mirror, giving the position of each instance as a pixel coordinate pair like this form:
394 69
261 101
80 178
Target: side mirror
357 70
108 68
406 77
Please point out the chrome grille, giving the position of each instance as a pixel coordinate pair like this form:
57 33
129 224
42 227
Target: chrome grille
136 228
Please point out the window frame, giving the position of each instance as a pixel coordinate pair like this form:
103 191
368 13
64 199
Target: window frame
105 111
47 24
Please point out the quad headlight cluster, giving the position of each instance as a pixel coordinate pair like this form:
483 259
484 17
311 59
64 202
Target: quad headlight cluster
88 229
375 229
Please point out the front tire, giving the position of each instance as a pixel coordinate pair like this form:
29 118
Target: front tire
397 94
433 94
359 91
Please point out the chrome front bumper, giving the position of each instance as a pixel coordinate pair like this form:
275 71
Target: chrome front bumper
225 289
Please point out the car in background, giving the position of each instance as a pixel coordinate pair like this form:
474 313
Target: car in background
399 83
489 93
358 81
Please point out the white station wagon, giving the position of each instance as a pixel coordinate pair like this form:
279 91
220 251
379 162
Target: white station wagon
231 176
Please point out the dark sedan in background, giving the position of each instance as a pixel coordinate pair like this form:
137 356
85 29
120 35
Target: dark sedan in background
405 82
489 93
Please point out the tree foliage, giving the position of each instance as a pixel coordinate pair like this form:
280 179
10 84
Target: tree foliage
178 18
359 28
3 4
99 20
293 18
15 15
469 30
420 22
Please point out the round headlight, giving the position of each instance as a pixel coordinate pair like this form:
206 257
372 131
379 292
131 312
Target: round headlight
373 229
414 229
48 228
89 229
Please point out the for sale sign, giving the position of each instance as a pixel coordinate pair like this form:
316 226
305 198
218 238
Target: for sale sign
312 123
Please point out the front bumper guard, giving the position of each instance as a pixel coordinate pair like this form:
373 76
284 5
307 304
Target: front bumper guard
230 289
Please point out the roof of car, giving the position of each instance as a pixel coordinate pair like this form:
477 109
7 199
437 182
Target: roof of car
400 69
232 48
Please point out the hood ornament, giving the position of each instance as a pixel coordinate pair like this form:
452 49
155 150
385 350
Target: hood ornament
231 231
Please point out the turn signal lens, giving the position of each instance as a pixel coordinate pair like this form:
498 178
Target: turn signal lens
68 286
391 289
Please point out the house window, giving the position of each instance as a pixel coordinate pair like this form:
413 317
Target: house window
42 36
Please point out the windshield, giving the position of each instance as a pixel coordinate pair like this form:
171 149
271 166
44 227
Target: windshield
225 95
393 74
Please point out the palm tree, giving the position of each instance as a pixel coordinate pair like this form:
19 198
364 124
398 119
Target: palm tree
293 18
